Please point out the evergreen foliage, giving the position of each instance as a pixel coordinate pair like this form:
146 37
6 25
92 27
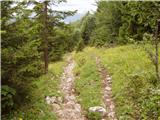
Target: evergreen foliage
19 65
119 22
23 45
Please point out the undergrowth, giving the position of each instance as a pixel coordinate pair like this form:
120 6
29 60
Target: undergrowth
37 109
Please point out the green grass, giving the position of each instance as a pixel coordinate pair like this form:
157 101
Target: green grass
133 80
133 77
88 83
133 85
47 85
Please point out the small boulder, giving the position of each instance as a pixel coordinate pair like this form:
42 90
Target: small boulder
109 78
98 109
48 100
51 100
107 88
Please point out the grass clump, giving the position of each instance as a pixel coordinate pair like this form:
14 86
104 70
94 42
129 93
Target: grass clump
88 82
37 109
94 116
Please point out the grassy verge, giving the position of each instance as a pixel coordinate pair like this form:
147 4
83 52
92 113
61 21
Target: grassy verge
47 85
135 90
133 82
88 83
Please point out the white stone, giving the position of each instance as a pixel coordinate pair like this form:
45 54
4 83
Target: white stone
108 100
98 109
53 99
109 78
48 100
107 88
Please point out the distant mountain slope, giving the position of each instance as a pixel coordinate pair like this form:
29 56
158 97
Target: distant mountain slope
74 18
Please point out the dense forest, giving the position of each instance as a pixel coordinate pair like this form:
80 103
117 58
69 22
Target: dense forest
120 39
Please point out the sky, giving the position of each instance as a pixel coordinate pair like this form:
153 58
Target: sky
83 6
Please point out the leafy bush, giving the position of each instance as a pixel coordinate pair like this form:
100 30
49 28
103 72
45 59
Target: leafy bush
7 94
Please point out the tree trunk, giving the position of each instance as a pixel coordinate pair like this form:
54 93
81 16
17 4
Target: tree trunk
156 48
45 38
156 60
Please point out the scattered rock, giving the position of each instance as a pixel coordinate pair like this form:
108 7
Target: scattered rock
107 95
53 99
107 88
50 100
98 109
70 78
108 100
109 78
69 108
111 114
109 82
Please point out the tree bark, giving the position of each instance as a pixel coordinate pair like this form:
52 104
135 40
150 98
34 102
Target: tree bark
156 48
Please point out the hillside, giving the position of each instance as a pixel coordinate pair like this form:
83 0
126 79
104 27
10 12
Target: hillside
132 87
104 66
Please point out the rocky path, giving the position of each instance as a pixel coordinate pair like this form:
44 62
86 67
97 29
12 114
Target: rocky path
107 93
69 109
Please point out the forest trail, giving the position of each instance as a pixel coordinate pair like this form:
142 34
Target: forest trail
107 93
70 108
